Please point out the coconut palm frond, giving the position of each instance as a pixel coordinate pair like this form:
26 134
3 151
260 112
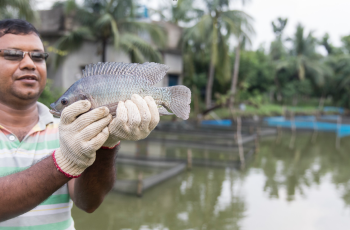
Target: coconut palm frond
19 9
134 53
71 42
133 42
156 32
116 35
200 31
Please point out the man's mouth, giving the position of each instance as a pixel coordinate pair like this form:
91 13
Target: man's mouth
28 78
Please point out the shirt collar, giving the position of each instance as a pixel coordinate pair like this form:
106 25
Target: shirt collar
45 117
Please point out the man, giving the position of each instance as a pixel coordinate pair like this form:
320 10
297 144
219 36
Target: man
46 164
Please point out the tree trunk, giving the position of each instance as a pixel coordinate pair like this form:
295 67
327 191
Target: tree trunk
104 50
321 102
209 88
235 75
213 61
278 91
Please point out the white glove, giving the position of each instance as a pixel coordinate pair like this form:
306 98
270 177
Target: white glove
135 119
80 137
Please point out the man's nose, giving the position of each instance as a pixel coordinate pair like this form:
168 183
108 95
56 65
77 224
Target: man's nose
27 63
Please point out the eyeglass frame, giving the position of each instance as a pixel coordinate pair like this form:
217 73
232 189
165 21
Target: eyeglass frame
46 55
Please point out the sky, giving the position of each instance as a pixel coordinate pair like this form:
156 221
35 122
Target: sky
319 16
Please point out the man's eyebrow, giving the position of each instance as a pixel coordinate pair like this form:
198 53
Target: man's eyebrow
15 48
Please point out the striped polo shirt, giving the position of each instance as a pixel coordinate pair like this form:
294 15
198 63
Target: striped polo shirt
15 156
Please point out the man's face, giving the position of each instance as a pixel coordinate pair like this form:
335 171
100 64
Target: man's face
22 80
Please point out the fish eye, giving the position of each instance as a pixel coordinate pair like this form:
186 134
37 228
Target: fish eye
64 101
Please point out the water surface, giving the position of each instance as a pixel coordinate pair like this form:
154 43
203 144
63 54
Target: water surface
306 187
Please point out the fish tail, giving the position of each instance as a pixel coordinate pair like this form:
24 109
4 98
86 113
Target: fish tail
180 99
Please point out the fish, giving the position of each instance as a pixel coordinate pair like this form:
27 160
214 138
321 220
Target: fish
108 83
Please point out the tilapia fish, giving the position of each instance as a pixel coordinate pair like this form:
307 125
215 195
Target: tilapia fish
105 84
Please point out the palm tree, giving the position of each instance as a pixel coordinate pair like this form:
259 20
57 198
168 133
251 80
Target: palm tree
303 62
112 20
277 51
304 57
17 9
181 11
213 30
245 30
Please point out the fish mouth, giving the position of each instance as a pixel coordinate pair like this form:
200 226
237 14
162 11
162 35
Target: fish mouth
55 113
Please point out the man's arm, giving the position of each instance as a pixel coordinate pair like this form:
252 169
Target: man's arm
23 191
82 137
89 190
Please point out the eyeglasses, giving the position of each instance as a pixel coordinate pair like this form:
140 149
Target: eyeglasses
18 55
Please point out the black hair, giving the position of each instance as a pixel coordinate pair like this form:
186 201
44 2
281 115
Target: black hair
16 26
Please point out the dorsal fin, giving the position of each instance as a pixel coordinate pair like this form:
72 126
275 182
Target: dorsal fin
149 71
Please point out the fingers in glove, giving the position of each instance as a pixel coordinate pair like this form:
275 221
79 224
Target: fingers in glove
134 118
70 113
90 117
95 128
96 142
119 122
154 112
145 114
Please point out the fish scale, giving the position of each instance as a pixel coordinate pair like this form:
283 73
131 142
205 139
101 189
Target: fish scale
105 84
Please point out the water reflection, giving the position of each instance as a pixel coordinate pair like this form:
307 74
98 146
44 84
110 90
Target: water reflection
202 199
305 166
282 188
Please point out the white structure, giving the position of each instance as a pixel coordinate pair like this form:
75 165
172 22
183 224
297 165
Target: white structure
54 24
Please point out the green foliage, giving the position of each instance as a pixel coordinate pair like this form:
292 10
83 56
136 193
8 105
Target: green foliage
49 95
346 43
106 21
17 9
291 70
256 71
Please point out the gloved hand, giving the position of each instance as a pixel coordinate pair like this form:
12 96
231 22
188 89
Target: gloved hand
135 119
80 137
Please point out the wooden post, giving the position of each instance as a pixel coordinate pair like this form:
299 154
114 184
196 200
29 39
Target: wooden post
279 134
189 159
140 185
257 140
251 129
314 135
239 142
337 140
292 127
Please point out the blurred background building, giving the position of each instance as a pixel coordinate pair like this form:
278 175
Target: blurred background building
53 24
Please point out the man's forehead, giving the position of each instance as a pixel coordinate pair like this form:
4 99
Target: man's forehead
27 42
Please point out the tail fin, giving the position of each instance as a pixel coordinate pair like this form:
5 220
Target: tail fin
180 101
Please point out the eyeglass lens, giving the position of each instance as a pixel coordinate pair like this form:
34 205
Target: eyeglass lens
16 55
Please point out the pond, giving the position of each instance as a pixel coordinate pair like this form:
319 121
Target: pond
307 187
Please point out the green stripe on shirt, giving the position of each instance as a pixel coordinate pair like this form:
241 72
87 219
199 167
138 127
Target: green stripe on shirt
55 226
5 171
57 199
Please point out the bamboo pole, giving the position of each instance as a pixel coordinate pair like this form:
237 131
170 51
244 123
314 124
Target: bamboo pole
314 134
189 159
140 185
279 134
337 140
257 137
292 127
239 142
